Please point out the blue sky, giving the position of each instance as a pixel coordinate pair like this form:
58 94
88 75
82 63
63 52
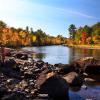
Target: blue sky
52 16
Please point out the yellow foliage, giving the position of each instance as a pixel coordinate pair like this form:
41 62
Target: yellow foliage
22 34
33 38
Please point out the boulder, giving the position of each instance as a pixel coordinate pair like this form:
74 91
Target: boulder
11 63
73 79
92 69
67 68
11 69
56 88
22 56
87 61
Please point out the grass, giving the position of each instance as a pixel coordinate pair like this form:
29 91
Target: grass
97 46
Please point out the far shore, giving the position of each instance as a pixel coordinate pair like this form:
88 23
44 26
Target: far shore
84 46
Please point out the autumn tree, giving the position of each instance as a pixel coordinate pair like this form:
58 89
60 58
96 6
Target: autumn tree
27 29
84 36
87 30
2 25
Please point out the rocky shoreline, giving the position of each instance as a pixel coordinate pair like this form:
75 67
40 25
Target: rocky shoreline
22 78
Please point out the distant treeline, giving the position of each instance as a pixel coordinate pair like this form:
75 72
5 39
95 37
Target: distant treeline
16 37
84 35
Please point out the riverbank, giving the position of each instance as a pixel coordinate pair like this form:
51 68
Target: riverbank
30 80
83 46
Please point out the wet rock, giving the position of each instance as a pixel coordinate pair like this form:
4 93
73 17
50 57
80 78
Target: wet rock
73 79
56 88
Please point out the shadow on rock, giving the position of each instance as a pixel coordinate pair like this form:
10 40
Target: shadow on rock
56 88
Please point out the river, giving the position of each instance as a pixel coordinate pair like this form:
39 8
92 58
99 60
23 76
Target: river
61 54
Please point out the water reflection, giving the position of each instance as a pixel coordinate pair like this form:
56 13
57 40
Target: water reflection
61 54
39 56
76 53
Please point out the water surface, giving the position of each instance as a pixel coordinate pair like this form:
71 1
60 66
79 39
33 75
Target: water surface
61 54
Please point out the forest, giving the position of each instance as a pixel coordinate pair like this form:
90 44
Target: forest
18 37
84 35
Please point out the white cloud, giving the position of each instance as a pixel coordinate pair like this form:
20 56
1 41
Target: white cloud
77 13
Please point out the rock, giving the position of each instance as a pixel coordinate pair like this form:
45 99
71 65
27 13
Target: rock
11 73
50 74
56 88
3 91
25 68
11 69
29 75
9 80
27 90
43 77
22 56
89 80
36 71
66 68
84 86
92 69
12 81
39 65
10 63
87 61
22 85
73 79
14 96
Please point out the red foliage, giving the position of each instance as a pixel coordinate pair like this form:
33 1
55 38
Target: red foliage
84 36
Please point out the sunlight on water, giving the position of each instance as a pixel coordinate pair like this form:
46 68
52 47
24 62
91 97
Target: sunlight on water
61 54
